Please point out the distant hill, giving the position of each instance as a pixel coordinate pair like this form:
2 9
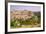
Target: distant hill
37 13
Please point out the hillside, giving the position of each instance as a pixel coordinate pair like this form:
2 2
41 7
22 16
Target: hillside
24 19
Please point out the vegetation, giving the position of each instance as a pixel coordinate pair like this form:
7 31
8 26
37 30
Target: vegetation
20 23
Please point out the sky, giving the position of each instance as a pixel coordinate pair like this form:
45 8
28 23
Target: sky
21 7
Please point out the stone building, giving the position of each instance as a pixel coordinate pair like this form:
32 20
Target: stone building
21 14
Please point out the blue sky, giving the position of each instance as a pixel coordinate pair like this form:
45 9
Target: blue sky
20 7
